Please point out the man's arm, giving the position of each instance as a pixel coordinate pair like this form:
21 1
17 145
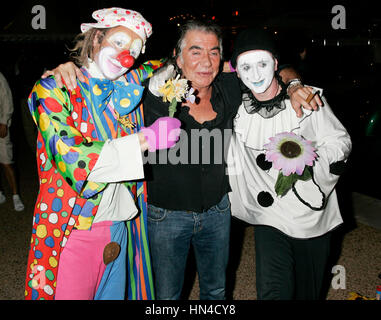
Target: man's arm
68 72
333 146
6 104
72 154
298 94
87 165
146 69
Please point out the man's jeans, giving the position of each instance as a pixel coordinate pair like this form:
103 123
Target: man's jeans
170 235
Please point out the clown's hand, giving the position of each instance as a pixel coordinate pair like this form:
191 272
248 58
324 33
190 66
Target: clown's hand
162 134
159 79
300 97
65 73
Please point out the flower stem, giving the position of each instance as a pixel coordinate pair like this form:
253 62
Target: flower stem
172 107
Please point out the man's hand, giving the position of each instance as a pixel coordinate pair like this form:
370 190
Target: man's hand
68 72
3 130
298 93
299 98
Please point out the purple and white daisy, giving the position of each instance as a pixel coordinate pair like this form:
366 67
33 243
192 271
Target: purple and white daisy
290 153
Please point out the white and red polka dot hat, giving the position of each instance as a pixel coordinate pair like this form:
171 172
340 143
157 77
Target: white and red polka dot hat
112 17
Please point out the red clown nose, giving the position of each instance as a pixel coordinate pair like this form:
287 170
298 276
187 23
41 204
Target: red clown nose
125 59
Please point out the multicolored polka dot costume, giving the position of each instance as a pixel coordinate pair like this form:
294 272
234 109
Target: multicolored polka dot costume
70 138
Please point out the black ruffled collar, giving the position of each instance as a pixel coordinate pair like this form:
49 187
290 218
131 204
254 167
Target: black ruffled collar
268 108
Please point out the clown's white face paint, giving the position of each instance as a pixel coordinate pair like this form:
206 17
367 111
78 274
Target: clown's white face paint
117 40
136 48
256 69
107 63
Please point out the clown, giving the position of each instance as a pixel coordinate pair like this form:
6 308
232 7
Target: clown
269 142
90 166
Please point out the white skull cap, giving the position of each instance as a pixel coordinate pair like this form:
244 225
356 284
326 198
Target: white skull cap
112 17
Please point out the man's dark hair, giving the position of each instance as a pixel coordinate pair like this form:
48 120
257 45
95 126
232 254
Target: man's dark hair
199 25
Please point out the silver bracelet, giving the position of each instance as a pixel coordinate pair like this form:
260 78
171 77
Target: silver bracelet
293 83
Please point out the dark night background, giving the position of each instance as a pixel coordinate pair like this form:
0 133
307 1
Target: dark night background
345 63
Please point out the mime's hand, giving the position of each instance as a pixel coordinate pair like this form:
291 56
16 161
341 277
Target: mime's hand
298 97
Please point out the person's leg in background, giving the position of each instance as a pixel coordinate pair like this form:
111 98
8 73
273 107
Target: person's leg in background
6 156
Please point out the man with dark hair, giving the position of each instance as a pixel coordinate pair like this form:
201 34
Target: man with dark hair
188 203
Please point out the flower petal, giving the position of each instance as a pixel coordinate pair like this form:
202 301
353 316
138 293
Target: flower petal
285 164
300 165
288 168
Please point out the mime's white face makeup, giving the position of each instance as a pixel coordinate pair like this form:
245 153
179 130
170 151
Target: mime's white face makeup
256 69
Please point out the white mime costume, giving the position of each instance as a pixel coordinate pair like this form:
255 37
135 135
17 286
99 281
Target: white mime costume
253 187
292 232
